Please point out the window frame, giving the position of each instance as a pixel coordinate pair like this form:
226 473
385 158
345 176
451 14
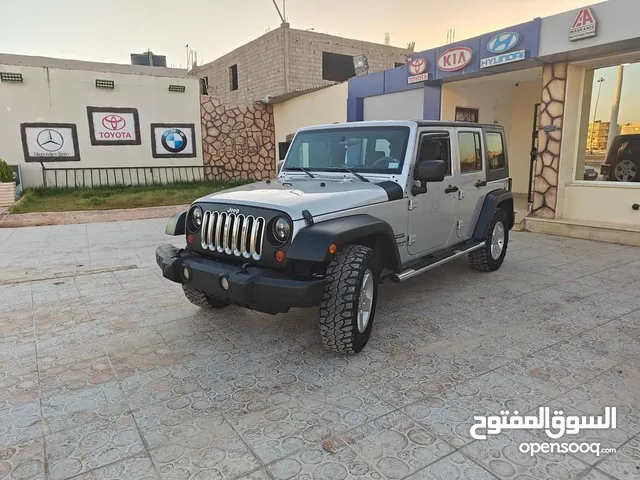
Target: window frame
483 154
498 173
234 81
467 109
437 134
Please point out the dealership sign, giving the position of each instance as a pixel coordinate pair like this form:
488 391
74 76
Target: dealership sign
501 45
583 26
49 142
417 69
455 59
113 126
172 140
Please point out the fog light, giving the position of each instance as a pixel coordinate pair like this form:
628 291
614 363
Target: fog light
224 283
279 256
186 274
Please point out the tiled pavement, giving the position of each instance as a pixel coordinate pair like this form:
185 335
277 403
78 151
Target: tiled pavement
107 372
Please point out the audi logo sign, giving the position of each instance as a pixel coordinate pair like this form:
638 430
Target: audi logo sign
114 126
455 59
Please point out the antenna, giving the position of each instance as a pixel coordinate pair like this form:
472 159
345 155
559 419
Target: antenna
282 17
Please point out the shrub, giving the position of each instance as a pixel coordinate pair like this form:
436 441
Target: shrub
6 173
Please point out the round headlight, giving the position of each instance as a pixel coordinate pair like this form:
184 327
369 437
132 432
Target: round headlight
281 229
196 216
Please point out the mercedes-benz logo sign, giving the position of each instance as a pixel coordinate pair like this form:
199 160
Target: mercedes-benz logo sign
174 140
113 122
50 140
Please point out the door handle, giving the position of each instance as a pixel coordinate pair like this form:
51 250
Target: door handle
451 189
481 183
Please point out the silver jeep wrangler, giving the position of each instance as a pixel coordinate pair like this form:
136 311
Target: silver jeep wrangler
353 204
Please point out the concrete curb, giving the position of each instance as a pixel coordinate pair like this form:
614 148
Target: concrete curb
88 216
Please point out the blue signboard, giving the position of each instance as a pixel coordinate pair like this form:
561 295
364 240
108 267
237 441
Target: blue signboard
510 45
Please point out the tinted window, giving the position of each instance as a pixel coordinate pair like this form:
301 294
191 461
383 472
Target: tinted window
436 147
470 152
371 149
495 151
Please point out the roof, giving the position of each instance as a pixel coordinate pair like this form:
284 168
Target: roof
297 93
66 64
408 123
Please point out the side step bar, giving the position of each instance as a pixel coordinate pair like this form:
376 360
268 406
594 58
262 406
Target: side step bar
435 262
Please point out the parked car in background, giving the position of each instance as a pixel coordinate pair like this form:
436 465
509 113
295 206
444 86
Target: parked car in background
623 160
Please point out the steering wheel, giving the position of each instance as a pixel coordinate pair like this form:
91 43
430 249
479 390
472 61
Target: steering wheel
388 160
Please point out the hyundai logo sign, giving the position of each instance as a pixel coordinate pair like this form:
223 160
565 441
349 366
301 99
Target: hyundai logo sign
503 42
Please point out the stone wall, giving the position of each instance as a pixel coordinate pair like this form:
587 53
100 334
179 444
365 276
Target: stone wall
545 187
237 141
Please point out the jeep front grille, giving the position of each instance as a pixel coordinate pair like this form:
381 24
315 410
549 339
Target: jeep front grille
233 234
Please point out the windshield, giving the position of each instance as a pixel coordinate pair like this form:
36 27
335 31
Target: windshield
365 149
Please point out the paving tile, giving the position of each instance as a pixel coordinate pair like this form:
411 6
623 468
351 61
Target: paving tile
330 460
625 463
68 375
453 467
19 423
138 468
127 361
79 407
91 446
395 445
23 461
217 454
500 455
158 385
19 381
177 419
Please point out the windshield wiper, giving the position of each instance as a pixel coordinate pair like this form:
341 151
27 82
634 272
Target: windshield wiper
300 169
348 170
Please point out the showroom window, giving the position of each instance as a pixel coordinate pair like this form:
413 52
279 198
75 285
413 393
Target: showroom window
609 142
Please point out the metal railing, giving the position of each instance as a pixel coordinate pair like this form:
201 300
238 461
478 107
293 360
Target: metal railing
120 176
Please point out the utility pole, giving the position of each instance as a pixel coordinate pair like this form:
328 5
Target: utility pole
615 108
595 110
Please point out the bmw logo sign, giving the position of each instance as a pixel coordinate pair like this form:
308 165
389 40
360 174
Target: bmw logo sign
503 42
174 140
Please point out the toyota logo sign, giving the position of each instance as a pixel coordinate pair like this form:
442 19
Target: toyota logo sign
417 66
113 122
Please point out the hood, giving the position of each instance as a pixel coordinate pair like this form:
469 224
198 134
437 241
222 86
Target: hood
318 195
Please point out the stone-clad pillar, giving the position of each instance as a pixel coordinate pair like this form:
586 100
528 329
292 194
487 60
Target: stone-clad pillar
545 187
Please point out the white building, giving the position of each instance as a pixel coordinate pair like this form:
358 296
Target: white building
49 107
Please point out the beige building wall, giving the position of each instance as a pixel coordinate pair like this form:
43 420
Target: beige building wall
500 102
325 106
61 94
284 60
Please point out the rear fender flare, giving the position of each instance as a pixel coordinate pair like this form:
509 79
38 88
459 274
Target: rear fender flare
496 199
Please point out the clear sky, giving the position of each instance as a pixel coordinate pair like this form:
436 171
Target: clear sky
109 30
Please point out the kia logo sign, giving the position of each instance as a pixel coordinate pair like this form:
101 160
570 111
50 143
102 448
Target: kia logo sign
503 42
417 66
113 122
455 59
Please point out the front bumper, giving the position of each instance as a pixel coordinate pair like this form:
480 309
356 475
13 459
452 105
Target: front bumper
256 288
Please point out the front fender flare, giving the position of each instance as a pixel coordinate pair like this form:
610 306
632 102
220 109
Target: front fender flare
311 244
176 225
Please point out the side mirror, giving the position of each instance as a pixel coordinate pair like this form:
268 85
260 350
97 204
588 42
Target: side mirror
430 171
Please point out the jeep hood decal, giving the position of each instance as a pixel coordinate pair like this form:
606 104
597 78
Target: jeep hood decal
295 195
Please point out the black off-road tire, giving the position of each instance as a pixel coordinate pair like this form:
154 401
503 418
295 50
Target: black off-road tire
201 299
339 305
481 259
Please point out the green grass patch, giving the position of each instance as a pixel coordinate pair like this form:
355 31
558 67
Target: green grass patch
107 198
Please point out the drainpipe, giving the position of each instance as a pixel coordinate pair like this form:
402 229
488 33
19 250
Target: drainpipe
285 35
615 108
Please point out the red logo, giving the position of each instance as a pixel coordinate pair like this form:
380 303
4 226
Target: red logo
584 17
417 66
113 122
455 59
